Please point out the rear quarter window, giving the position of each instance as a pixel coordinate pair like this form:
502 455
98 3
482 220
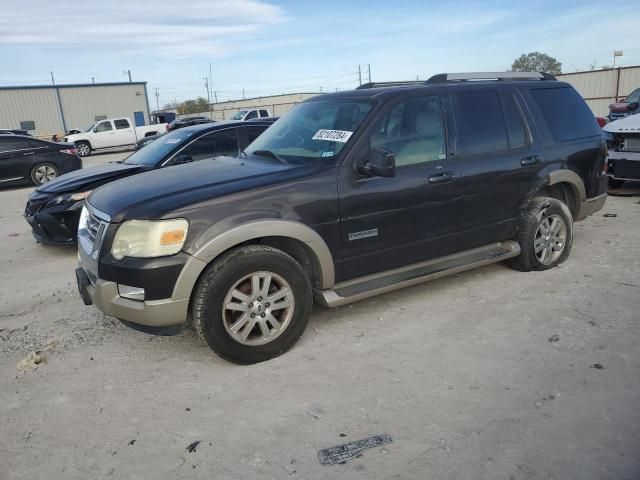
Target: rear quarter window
566 113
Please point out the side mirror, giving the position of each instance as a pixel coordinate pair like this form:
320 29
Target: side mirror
380 162
180 159
95 129
632 107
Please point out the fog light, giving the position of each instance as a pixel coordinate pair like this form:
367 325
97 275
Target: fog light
134 293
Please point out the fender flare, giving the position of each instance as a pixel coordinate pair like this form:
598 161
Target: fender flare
252 231
568 176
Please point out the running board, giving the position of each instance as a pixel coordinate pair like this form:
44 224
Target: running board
375 284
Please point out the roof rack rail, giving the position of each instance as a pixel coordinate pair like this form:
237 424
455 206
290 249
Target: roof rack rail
390 84
465 77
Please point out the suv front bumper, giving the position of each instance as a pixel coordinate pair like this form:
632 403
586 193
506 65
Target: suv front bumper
153 313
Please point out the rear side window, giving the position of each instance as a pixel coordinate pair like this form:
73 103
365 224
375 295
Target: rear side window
566 113
480 121
9 143
252 114
515 122
121 124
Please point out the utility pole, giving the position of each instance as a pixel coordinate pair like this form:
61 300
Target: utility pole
215 96
129 73
243 93
206 85
359 75
157 99
369 67
417 78
93 79
210 90
53 82
320 89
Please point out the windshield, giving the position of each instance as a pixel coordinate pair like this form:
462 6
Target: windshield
157 150
634 96
313 130
240 115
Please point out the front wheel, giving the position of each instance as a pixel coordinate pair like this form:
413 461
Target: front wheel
83 149
545 235
252 304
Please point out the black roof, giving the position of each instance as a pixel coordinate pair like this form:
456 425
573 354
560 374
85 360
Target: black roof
217 125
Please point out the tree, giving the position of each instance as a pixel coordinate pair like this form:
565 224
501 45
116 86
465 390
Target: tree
199 105
537 62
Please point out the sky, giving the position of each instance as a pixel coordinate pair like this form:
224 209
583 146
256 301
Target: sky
265 47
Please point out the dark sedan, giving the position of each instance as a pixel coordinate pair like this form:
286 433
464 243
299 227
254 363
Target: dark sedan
53 210
24 159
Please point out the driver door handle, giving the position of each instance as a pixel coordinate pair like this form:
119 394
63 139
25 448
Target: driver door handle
532 160
28 153
441 177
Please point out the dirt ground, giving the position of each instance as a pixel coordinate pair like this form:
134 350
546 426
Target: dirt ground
490 374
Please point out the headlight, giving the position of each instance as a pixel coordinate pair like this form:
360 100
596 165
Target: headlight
146 238
70 197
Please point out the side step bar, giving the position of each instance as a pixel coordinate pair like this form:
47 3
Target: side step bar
370 285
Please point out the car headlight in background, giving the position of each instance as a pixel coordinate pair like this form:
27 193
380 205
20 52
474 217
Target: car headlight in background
149 238
70 197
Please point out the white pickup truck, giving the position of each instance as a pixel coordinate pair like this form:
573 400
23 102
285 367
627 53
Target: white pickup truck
251 114
110 133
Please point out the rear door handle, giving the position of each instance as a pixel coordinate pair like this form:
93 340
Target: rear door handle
441 177
29 153
532 160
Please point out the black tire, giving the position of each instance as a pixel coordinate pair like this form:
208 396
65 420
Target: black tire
219 279
613 183
83 149
541 209
44 172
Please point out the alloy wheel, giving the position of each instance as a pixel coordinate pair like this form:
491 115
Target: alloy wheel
45 173
258 308
550 239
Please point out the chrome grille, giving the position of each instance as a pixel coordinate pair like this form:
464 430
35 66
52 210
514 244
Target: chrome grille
93 226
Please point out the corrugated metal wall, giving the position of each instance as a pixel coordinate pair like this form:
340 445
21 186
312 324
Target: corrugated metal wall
277 104
80 104
600 87
40 105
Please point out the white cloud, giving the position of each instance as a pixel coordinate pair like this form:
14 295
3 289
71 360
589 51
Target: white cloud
108 26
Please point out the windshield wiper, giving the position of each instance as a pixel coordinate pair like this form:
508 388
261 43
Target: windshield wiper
268 153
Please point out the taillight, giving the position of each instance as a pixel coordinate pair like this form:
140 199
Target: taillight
167 127
601 121
70 151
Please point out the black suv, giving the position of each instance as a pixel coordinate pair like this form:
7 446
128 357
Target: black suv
349 195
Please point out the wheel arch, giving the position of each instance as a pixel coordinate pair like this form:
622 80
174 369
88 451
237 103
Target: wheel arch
566 186
84 140
299 241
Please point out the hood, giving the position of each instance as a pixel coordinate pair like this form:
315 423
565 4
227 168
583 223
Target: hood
78 180
618 107
626 124
154 194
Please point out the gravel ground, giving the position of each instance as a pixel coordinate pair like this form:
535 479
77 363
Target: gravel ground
490 374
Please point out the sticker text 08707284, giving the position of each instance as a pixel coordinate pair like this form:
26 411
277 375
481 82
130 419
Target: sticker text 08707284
332 135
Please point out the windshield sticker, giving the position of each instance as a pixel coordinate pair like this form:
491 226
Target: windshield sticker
173 140
332 135
327 154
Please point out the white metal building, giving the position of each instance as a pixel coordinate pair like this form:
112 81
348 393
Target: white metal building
600 88
54 109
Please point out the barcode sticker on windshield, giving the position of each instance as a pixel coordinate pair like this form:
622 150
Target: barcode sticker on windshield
332 135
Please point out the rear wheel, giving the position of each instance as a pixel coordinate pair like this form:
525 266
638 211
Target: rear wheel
43 173
545 235
83 149
252 304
